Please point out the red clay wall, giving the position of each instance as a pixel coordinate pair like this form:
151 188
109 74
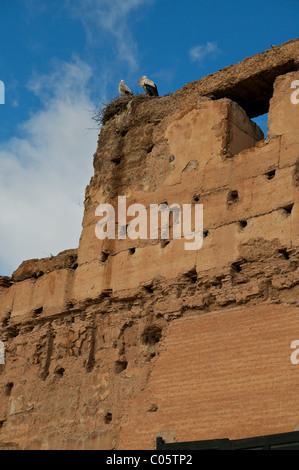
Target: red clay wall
111 352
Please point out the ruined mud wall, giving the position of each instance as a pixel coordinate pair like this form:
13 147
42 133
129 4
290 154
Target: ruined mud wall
121 341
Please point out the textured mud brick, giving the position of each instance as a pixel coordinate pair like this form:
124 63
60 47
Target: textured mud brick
231 383
121 341
283 114
289 152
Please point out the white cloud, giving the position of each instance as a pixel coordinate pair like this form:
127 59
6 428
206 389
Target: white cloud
45 169
198 53
112 18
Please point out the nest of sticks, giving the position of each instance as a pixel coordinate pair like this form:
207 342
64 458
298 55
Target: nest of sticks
117 106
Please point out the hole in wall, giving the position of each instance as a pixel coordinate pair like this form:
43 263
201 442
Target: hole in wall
59 371
254 93
288 209
151 356
242 224
270 174
196 198
104 256
206 233
232 197
132 251
120 366
152 335
192 275
237 266
8 388
116 160
38 311
38 274
284 253
149 289
108 418
164 243
153 408
107 292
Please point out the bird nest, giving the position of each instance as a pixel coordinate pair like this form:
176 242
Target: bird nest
117 106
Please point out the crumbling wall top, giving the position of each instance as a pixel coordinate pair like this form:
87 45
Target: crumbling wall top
250 82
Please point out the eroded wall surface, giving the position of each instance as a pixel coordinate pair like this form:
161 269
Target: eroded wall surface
121 341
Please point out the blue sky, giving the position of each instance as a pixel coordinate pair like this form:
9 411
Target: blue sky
60 60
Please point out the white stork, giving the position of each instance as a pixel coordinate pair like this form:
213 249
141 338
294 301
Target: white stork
149 86
123 89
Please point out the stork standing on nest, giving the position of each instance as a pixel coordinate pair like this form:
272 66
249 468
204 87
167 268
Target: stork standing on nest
123 89
149 86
